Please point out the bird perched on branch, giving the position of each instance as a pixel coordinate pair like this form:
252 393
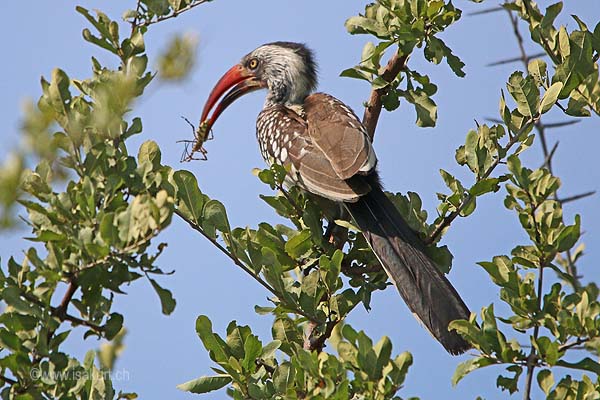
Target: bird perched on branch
328 153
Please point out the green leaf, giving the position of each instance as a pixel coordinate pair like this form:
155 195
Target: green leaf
113 325
252 351
12 297
189 194
383 350
545 380
283 377
510 383
205 384
525 92
550 97
360 25
8 340
538 70
311 291
425 107
356 73
299 245
210 340
167 301
149 152
569 235
436 48
286 332
486 185
469 366
214 214
269 350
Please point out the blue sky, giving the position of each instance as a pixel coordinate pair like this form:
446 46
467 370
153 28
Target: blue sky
164 351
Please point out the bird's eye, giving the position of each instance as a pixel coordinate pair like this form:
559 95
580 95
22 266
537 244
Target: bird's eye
252 64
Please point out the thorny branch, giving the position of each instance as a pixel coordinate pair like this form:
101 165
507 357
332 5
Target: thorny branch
541 129
548 155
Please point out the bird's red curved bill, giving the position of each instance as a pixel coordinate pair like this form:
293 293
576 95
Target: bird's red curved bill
240 81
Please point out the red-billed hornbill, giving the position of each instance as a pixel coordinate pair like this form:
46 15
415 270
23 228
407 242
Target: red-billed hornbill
328 153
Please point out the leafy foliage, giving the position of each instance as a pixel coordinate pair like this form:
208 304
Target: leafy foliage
405 25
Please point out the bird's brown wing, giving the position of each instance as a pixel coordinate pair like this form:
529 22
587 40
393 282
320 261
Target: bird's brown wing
309 166
340 135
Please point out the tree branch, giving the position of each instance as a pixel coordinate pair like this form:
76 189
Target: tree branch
574 344
532 359
60 311
373 109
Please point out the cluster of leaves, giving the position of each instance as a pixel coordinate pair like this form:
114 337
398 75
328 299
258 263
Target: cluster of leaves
566 318
303 270
405 25
574 55
255 372
557 320
94 211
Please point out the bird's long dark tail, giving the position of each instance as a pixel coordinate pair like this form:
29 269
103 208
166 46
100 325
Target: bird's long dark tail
424 288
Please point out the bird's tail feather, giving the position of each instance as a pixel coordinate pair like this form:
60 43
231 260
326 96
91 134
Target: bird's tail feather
424 288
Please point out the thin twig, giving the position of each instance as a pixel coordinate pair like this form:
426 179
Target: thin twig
561 124
238 263
531 360
135 19
549 156
514 59
486 11
373 109
61 310
515 25
573 345
78 321
174 13
577 197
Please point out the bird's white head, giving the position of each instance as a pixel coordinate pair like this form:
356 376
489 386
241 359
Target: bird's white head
287 70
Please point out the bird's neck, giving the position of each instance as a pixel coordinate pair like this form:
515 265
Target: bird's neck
286 95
